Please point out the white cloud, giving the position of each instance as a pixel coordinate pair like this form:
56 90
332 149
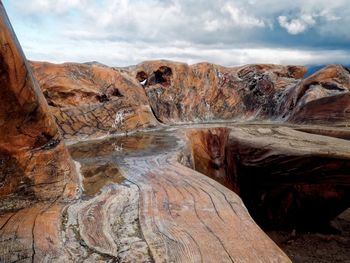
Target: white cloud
241 17
56 6
297 25
122 32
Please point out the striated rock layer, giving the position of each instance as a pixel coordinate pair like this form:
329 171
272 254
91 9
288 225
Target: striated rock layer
36 171
33 158
206 92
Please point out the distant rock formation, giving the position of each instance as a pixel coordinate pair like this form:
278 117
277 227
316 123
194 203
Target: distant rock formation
206 92
91 100
322 98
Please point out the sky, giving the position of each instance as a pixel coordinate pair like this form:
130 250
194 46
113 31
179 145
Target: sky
236 32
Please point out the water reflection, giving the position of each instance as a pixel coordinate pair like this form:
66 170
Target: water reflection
99 158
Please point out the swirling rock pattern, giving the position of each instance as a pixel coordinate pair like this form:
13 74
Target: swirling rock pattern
132 200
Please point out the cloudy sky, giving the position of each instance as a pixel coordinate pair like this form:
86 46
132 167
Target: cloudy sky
126 32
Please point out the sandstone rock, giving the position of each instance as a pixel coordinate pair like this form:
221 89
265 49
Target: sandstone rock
206 92
36 171
138 203
183 215
33 159
321 98
208 148
286 178
90 100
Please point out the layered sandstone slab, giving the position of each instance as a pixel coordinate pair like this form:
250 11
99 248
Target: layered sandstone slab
138 203
321 98
183 215
90 100
287 177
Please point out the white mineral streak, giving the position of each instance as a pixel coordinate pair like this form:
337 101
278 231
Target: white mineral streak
119 119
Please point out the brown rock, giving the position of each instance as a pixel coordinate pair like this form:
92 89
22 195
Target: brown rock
321 98
33 158
36 171
208 153
285 177
90 100
206 92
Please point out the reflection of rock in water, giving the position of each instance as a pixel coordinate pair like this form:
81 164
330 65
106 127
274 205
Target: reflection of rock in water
96 176
138 144
99 158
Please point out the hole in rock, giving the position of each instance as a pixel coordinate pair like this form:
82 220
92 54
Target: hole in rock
141 76
161 76
102 98
117 93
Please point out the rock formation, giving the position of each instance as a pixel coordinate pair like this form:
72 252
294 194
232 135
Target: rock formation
322 98
251 128
34 160
287 178
36 171
210 92
90 100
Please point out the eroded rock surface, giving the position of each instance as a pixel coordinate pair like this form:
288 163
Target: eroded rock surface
33 158
321 98
176 205
206 92
90 100
138 203
287 178
36 171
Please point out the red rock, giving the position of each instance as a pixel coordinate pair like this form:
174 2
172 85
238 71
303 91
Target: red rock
165 211
36 171
285 177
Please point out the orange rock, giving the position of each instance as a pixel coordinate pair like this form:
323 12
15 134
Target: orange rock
33 159
90 100
322 98
179 92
